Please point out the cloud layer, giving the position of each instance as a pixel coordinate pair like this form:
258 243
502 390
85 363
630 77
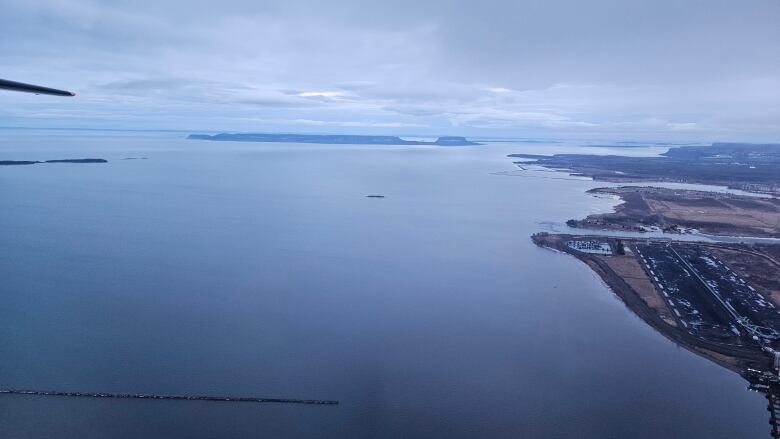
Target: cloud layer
699 69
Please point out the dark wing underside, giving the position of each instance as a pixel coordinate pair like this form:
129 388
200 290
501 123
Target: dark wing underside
29 88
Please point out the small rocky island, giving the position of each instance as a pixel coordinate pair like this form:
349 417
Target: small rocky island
33 162
332 139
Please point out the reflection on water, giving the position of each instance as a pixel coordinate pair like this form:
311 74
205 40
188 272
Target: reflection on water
238 268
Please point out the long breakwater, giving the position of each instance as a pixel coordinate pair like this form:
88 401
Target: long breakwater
167 397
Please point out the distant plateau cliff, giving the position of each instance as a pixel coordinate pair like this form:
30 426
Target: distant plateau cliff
330 139
32 162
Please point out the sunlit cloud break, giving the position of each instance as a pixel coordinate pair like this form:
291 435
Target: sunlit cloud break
324 94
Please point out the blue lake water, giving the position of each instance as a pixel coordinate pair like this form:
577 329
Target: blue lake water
262 269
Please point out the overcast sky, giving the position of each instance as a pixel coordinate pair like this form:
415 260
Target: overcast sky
655 69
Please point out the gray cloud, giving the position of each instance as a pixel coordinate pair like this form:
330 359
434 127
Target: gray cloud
699 69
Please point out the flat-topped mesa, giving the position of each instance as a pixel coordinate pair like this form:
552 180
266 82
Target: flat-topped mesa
454 141
333 139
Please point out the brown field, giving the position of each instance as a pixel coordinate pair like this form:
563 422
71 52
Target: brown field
673 210
762 216
629 270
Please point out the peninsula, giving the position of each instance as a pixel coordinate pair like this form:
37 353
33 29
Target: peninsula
330 139
33 162
747 166
717 300
651 209
720 300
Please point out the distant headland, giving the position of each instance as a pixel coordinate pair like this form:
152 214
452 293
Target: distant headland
32 162
340 139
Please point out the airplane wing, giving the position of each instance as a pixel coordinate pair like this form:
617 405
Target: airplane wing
29 88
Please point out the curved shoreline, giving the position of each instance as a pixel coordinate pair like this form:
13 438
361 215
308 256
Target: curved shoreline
735 358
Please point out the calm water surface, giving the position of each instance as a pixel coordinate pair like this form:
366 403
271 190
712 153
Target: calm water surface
262 269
